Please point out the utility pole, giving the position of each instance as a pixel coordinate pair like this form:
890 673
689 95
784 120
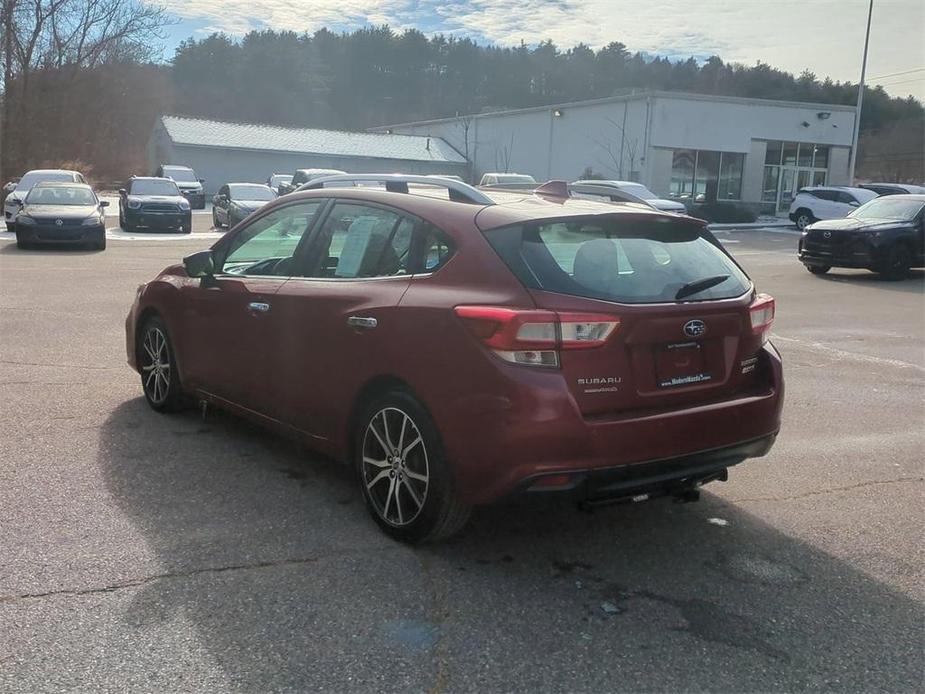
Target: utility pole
857 115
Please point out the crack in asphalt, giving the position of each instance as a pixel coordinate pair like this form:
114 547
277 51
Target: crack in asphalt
822 492
146 580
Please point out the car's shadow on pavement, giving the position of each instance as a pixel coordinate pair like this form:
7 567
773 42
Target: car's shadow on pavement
914 283
269 552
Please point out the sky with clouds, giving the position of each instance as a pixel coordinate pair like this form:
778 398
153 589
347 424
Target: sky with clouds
826 36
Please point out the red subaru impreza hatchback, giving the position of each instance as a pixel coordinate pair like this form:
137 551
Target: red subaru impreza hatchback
457 348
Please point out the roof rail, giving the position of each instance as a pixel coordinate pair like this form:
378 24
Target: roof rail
398 183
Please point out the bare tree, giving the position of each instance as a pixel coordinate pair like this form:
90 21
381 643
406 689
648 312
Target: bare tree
503 155
70 36
618 151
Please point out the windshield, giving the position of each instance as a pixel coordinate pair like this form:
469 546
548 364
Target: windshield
515 178
154 187
639 190
889 208
251 193
280 178
60 195
615 260
30 179
184 175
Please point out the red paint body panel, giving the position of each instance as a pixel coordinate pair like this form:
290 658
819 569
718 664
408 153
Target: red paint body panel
301 365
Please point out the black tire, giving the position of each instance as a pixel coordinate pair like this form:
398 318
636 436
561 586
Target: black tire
22 245
121 220
818 269
417 481
897 263
804 218
160 396
128 227
215 223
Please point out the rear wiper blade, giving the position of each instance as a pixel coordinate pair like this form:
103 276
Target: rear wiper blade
699 285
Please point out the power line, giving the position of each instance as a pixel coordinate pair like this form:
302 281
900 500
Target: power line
893 84
894 74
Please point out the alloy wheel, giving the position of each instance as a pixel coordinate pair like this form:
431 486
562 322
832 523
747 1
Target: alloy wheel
395 466
155 365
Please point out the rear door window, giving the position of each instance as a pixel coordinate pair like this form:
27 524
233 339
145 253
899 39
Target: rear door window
625 261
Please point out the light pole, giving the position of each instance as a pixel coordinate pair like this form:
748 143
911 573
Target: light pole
857 114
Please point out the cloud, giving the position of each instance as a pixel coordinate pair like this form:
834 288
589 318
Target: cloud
825 36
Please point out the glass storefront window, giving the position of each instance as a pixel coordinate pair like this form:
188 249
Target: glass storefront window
822 157
730 176
818 178
769 188
772 156
706 176
805 157
682 173
790 154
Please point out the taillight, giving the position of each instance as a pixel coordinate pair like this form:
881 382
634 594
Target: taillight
761 314
534 337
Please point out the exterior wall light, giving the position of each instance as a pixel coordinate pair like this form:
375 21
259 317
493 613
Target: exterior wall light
823 115
557 113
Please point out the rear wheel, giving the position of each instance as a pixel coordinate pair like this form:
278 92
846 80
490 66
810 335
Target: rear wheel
804 219
158 367
897 263
215 223
403 473
818 269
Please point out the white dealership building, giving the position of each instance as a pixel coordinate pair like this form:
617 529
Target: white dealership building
685 146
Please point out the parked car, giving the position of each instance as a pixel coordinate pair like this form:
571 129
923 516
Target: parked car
643 193
235 201
826 202
494 179
190 186
55 212
893 188
153 203
13 200
302 176
886 235
277 179
470 349
8 188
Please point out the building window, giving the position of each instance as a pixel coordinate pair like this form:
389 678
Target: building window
790 166
769 188
706 176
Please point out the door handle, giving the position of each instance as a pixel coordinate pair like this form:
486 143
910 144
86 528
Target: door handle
258 306
362 322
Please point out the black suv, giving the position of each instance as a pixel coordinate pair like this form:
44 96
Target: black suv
185 178
153 203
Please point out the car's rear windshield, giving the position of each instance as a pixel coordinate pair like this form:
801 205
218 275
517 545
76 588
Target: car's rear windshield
154 187
626 261
30 179
245 192
185 175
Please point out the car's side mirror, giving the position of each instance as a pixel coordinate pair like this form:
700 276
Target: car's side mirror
854 203
199 264
104 203
202 180
123 192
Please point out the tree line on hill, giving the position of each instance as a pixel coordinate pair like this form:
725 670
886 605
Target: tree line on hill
62 102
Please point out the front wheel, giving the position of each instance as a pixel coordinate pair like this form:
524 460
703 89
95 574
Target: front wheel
818 269
215 223
158 367
403 473
897 263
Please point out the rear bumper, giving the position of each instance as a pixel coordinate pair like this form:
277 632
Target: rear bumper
197 200
502 446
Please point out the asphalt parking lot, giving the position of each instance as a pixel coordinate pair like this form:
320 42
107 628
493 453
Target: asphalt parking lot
141 552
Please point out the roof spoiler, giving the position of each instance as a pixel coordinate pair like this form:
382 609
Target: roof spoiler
398 183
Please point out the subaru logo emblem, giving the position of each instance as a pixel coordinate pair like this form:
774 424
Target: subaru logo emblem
827 234
59 222
694 328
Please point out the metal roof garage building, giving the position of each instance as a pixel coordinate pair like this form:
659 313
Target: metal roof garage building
222 152
685 146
